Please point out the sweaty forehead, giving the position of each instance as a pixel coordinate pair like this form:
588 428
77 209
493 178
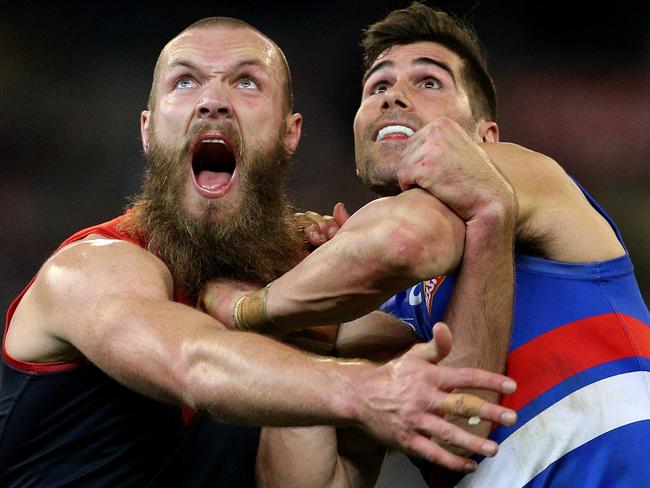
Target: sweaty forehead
221 46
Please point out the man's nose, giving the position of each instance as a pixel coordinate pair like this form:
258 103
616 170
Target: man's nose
396 96
214 102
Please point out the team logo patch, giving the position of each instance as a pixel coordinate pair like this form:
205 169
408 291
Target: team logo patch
430 288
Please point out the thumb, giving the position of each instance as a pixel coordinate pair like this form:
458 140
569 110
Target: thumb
340 213
437 348
443 339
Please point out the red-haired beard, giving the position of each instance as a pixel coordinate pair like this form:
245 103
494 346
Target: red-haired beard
257 243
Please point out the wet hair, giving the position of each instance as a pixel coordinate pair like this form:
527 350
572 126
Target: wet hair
418 23
234 23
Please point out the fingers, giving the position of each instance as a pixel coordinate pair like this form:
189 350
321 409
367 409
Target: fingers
442 337
217 298
340 213
435 430
437 348
462 404
432 452
475 408
317 228
443 431
407 176
452 378
429 351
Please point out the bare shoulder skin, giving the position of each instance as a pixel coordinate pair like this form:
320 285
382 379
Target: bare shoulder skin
555 219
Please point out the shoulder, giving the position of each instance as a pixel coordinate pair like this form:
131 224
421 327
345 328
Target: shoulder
74 285
101 262
555 217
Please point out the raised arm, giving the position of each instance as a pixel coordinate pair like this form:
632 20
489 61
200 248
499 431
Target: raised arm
444 160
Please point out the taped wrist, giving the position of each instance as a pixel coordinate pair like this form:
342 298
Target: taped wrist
249 313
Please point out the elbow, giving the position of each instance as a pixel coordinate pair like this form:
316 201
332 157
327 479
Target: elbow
202 380
192 375
420 248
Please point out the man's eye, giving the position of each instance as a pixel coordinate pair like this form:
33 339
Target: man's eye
185 82
432 84
248 83
380 88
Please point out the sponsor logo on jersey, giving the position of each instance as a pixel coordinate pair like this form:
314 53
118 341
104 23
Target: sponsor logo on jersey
415 298
430 288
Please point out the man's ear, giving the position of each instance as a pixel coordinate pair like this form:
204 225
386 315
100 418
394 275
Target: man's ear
145 116
488 131
292 136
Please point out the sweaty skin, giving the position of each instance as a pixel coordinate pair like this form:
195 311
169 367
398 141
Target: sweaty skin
419 86
111 302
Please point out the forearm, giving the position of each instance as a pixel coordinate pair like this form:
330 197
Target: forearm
377 336
177 354
251 379
383 248
308 456
386 246
296 457
480 310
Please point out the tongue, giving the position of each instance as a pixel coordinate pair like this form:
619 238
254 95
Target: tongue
211 181
395 135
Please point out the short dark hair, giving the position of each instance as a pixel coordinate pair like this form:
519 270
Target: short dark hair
418 23
235 23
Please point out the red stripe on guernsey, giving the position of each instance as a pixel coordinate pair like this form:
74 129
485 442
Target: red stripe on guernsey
53 367
107 229
187 414
569 349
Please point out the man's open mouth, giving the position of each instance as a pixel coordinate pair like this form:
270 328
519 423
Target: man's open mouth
393 131
213 165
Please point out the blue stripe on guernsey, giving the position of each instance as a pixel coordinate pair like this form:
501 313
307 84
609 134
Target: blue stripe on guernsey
570 385
600 289
613 450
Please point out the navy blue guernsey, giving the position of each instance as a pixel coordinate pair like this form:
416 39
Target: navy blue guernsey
70 424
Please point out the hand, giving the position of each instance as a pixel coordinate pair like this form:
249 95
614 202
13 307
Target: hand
403 402
318 229
443 159
218 298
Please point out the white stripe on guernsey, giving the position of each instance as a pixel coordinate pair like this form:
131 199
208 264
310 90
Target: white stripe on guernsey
573 421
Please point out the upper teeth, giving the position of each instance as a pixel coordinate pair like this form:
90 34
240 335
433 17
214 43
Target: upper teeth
394 129
219 141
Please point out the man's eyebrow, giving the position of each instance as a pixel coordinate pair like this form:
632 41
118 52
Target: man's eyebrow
250 62
417 61
377 67
430 61
181 62
189 64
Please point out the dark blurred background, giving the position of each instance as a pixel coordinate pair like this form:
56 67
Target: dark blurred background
573 82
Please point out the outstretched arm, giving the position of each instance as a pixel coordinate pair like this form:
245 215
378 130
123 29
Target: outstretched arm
110 301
